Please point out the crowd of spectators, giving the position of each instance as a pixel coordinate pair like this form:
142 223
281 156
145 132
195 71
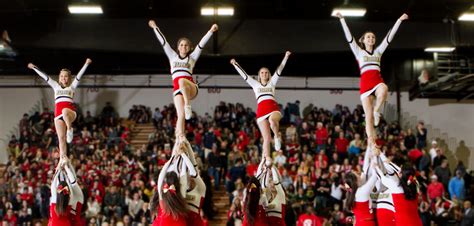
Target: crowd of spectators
320 145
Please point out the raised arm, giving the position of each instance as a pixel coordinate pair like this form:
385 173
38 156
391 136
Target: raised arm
275 176
189 165
197 51
278 71
72 183
260 170
391 33
161 177
391 167
363 191
44 76
166 46
252 82
349 38
54 186
81 72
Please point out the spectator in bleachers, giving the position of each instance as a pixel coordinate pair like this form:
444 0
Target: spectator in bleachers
443 173
456 187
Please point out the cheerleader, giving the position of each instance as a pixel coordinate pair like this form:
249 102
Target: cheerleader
276 197
182 64
268 112
254 213
371 83
195 189
358 197
66 197
65 111
403 188
171 207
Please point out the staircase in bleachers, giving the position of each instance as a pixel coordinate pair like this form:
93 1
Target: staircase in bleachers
139 135
221 202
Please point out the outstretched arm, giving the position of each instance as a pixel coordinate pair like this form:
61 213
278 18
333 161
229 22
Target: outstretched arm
166 46
197 51
349 38
391 33
278 71
244 74
81 72
44 76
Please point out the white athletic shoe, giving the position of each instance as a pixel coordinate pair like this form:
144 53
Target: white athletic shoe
69 135
277 143
188 112
377 116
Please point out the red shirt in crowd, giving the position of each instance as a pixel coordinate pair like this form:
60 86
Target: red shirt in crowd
321 136
341 145
435 189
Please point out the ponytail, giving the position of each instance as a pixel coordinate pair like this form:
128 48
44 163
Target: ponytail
252 199
351 187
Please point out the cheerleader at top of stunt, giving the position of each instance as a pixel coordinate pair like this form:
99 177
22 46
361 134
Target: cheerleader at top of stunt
371 83
64 112
182 64
268 112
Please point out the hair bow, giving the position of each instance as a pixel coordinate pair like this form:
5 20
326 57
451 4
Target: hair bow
167 188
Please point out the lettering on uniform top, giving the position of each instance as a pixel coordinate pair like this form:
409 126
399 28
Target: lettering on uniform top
380 196
64 92
265 90
182 64
371 59
190 197
271 206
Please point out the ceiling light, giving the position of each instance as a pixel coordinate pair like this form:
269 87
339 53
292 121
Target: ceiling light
207 11
468 16
217 11
349 12
85 9
225 11
440 49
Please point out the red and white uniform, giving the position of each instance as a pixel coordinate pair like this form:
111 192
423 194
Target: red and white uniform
167 220
369 62
181 165
382 202
195 199
362 212
406 211
259 220
181 67
76 199
63 96
276 208
265 94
